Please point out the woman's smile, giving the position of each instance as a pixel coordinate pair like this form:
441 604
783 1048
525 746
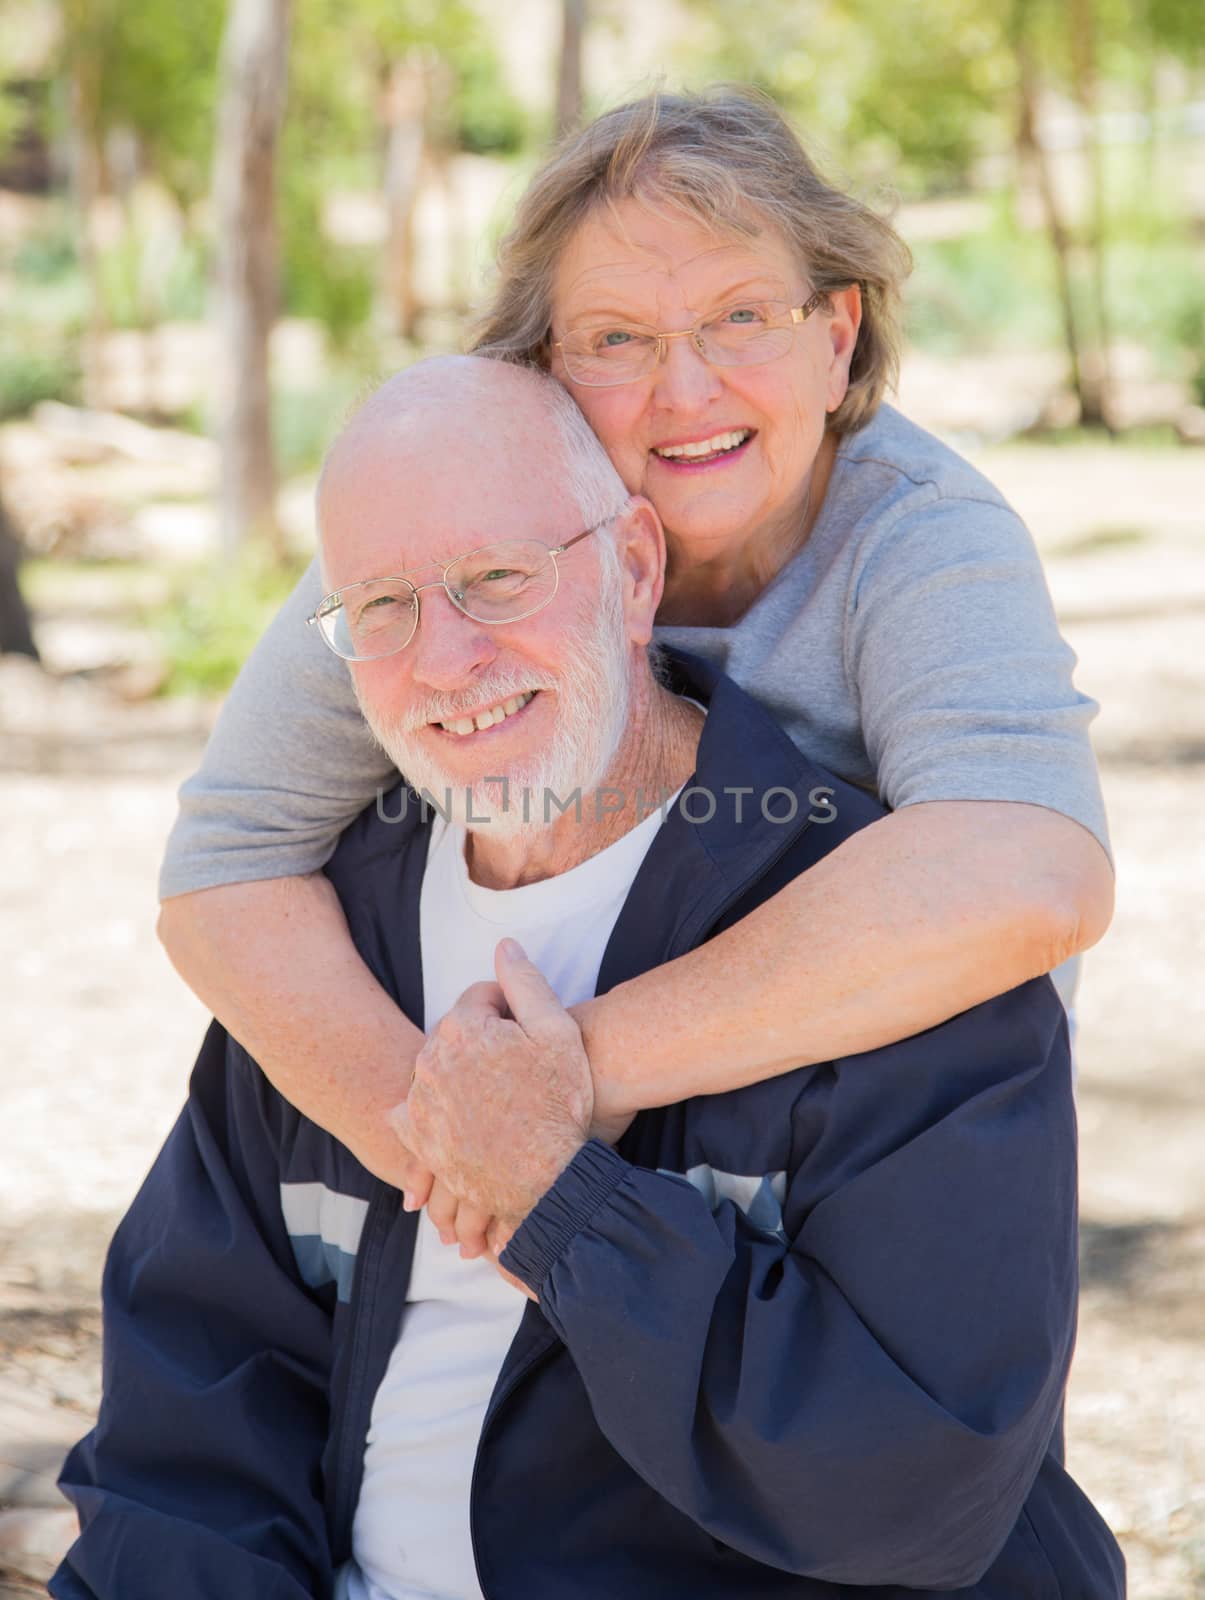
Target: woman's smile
696 455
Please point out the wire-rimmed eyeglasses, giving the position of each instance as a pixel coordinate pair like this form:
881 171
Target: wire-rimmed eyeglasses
497 583
743 335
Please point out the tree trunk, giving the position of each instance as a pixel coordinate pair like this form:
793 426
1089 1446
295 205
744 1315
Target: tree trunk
1030 148
1081 22
254 70
405 102
16 633
88 184
569 74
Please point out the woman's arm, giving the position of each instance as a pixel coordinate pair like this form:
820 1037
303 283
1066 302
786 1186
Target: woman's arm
275 963
912 920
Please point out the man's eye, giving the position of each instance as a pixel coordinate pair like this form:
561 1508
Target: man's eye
378 608
499 575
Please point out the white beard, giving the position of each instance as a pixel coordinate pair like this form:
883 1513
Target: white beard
593 697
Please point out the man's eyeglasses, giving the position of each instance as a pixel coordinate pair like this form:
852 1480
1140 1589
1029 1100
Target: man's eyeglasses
744 335
498 583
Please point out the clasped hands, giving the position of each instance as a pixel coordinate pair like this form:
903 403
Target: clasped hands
500 1102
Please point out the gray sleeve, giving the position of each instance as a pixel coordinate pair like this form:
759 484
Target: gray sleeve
965 683
289 764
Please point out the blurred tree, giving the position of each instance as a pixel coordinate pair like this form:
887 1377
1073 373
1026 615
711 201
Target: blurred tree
137 68
16 634
254 69
1032 153
383 92
1082 30
569 93
406 99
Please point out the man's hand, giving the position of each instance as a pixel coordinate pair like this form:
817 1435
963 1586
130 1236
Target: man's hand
501 1099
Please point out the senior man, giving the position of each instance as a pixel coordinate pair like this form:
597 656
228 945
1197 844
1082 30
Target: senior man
807 1335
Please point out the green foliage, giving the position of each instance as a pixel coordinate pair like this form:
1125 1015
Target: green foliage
48 256
484 116
30 374
12 118
905 90
304 421
147 281
981 289
330 283
212 619
153 69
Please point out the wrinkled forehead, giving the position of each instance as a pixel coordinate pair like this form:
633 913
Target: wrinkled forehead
415 492
646 243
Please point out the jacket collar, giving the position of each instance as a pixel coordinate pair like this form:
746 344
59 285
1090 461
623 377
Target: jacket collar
695 869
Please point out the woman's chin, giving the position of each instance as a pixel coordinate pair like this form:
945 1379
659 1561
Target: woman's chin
702 527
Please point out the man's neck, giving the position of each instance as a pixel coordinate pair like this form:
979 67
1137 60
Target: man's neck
654 760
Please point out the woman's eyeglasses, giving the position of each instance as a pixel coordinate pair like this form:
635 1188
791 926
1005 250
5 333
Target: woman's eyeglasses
744 335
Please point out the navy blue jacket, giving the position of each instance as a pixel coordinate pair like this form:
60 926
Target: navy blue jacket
802 1340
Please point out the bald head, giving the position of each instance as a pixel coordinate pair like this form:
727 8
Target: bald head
483 449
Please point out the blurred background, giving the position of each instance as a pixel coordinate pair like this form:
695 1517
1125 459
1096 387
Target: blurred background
221 222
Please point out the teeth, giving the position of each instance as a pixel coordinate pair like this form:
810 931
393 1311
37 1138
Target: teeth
706 447
490 718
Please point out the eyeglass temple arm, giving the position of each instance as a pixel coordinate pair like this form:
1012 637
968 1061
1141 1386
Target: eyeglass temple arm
560 549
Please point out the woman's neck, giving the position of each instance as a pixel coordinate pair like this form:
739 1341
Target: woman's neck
715 591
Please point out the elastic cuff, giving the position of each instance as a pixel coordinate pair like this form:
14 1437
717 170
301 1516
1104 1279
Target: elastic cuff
586 1185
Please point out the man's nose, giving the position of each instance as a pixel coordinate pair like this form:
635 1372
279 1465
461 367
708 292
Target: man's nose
684 380
449 646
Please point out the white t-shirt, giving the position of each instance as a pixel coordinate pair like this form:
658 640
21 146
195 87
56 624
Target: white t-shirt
411 1537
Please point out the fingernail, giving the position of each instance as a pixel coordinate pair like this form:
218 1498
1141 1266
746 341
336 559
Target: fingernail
511 950
498 1249
408 1201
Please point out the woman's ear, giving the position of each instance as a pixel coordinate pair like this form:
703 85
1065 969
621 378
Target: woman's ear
640 544
843 321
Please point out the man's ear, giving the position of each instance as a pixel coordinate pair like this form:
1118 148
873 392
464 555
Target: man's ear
843 320
640 543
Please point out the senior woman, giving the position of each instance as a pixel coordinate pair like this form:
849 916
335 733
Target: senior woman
727 322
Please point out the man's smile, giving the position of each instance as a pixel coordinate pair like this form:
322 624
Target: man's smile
488 717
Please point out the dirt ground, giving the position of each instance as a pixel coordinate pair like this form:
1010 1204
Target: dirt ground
98 1034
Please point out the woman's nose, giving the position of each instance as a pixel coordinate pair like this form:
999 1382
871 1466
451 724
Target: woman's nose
449 647
684 379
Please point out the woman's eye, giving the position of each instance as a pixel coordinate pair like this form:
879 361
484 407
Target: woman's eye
614 338
744 315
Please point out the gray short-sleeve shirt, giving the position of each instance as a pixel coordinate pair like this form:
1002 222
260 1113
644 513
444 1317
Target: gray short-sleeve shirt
910 647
